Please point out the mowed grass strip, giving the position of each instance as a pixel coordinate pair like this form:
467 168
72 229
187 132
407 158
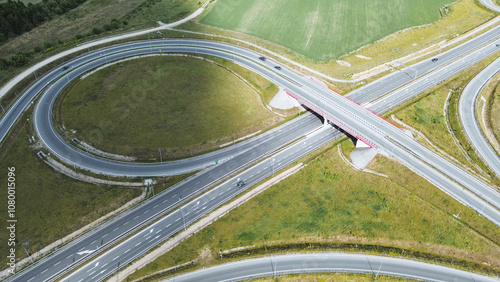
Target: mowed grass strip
330 277
494 112
322 29
175 103
49 205
328 201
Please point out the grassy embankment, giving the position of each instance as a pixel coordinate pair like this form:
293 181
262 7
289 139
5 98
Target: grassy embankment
330 277
182 105
493 110
48 205
76 26
426 114
329 202
371 23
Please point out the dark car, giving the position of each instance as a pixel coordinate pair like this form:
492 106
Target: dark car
262 58
64 68
434 60
240 183
277 67
498 45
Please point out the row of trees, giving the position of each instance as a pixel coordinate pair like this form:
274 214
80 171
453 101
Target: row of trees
17 17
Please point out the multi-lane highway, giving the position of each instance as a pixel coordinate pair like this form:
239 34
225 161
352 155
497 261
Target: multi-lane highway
329 262
57 263
467 112
292 81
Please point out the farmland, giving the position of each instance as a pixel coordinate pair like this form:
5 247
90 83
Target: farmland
322 30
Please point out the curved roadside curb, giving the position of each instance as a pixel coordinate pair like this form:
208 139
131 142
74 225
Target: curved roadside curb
330 263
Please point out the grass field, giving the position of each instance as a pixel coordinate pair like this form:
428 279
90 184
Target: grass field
169 102
322 29
328 201
49 205
494 112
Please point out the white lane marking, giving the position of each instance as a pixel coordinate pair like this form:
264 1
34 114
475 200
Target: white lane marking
85 252
125 223
188 213
204 208
173 196
148 237
157 231
138 244
136 217
104 265
115 229
155 206
157 237
168 225
165 201
105 235
68 256
145 212
45 270
57 263
221 193
92 272
93 242
126 251
116 258
31 278
178 219
212 199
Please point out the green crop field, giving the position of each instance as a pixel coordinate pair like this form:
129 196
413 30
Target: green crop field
322 29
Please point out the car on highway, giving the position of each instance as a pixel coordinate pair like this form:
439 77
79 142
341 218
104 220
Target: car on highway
262 58
64 68
241 183
277 67
434 60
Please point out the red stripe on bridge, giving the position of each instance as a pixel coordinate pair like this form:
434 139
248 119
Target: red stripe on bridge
339 124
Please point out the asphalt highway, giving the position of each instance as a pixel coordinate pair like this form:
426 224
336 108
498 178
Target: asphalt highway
57 146
266 70
134 245
143 241
467 113
329 262
56 263
116 229
375 131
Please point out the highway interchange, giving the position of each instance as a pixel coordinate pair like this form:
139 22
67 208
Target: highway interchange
238 156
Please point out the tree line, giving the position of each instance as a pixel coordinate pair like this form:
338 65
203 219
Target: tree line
17 17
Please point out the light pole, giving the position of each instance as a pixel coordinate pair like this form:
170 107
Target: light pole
24 246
